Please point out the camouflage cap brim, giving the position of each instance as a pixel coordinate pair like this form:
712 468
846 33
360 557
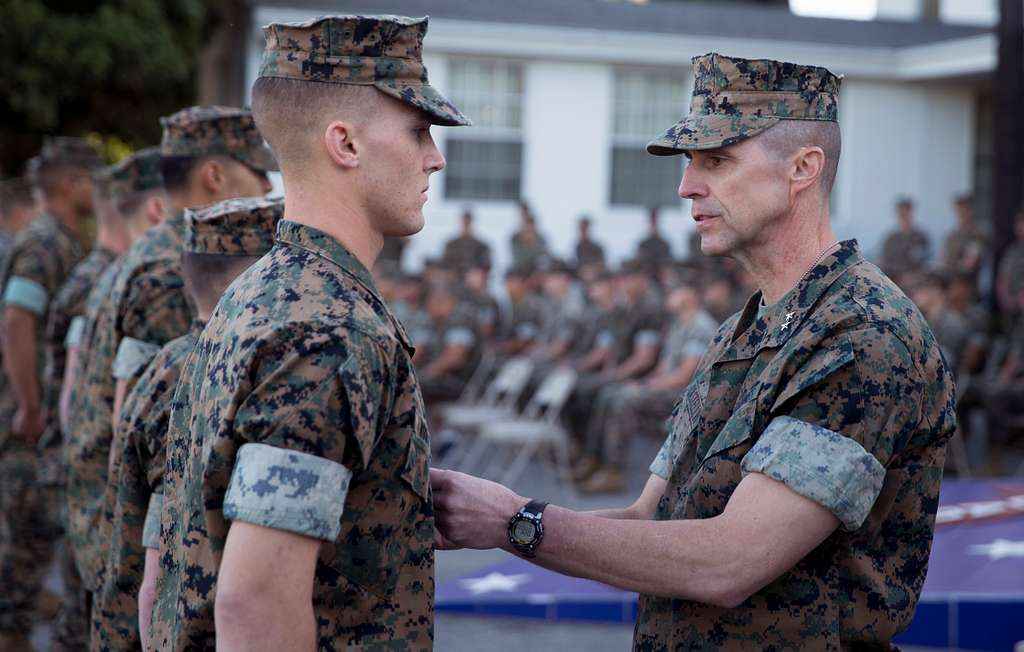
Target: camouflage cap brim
427 99
259 158
708 132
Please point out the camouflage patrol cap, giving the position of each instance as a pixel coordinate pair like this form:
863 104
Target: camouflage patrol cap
71 151
734 99
102 181
216 130
139 172
382 51
236 227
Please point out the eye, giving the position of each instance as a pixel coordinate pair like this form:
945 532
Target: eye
714 162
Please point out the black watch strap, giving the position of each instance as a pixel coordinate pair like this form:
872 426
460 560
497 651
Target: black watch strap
533 512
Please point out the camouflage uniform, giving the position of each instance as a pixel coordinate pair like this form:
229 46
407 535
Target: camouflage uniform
637 410
39 261
839 391
1011 268
312 378
466 251
145 308
904 252
960 242
530 255
134 491
589 252
654 251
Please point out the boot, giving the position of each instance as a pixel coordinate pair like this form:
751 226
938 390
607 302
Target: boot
584 468
605 480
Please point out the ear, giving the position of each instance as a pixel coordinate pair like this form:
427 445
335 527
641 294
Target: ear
155 210
339 143
211 176
808 165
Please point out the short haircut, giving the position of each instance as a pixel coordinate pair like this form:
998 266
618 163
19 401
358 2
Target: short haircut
966 199
289 131
47 174
206 276
904 202
128 205
176 171
788 136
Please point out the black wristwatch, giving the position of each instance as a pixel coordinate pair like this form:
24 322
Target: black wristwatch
526 528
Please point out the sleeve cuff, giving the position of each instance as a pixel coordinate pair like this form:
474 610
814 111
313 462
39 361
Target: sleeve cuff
287 490
604 339
647 338
829 468
132 357
74 336
694 349
460 336
26 293
662 464
151 527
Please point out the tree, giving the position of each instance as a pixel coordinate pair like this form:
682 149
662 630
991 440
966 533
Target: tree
107 66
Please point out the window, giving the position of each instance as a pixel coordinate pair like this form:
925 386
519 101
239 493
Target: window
485 162
646 104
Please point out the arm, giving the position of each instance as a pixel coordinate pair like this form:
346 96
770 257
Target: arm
642 359
19 351
644 506
451 360
706 560
261 606
594 359
147 594
677 378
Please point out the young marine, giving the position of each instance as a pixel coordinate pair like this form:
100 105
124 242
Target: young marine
207 154
221 241
42 256
297 510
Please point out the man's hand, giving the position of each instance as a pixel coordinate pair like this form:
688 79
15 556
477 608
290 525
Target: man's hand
29 424
471 512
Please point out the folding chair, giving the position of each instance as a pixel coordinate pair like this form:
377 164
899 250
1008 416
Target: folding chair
538 429
498 401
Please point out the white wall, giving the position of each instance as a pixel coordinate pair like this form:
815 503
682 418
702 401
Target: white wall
902 139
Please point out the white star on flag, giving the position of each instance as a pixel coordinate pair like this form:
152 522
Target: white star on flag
494 582
999 549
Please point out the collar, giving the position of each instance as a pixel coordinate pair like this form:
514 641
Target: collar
197 326
779 321
323 245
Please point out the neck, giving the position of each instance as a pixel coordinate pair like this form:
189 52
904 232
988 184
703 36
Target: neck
686 314
111 239
64 213
346 223
790 251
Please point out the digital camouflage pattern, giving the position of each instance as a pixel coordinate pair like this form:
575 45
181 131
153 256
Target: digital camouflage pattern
68 304
139 448
216 130
382 51
137 173
302 364
146 304
42 256
840 392
69 150
91 401
734 99
236 227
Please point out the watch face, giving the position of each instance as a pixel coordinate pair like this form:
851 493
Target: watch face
524 531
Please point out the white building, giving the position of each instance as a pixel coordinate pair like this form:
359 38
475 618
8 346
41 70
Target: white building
564 95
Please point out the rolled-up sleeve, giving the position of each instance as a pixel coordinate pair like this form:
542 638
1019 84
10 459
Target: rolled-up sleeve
132 357
151 526
839 420
817 463
26 293
287 490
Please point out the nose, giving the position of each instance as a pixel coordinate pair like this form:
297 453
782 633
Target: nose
691 186
435 161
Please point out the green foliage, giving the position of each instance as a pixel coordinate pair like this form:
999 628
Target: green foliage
111 67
